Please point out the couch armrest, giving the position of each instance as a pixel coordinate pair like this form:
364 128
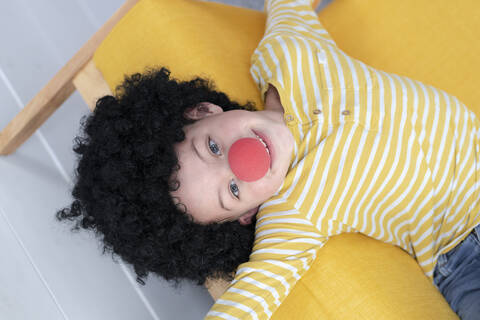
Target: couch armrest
357 277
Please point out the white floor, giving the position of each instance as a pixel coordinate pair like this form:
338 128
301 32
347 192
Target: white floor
46 271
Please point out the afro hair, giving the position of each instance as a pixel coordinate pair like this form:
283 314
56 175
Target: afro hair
122 187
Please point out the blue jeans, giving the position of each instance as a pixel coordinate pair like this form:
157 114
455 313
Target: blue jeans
457 276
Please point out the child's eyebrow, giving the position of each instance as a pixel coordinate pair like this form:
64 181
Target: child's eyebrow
201 158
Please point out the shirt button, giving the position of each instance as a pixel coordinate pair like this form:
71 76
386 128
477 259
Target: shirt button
345 112
317 111
289 117
322 57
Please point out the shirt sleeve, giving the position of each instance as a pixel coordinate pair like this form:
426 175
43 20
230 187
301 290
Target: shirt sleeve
293 17
285 247
293 33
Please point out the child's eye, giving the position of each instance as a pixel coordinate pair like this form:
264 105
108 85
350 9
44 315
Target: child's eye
215 148
234 189
233 186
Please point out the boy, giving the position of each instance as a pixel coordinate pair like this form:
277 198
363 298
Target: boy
373 152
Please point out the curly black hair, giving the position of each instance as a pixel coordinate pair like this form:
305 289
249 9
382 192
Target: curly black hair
126 159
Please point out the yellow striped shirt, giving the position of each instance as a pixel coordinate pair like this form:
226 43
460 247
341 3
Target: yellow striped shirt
375 153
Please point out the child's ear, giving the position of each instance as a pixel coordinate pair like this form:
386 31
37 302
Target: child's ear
202 110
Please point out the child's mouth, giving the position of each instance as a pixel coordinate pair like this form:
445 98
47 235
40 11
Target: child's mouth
268 145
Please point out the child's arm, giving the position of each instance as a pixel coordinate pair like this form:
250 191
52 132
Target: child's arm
285 247
293 17
290 25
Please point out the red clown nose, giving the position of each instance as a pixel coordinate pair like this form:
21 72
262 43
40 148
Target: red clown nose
249 159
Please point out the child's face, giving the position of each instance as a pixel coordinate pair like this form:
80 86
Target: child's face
207 177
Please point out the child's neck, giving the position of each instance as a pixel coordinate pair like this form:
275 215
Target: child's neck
272 100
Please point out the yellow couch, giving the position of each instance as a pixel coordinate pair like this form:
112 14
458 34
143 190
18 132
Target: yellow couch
354 277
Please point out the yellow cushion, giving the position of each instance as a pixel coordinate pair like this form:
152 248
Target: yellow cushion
190 38
436 42
357 277
354 276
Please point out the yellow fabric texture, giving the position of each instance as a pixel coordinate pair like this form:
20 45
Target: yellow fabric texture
354 277
436 42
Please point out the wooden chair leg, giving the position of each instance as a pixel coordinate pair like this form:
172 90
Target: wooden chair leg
35 113
91 85
58 89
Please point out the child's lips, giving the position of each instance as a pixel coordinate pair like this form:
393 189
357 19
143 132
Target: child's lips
267 140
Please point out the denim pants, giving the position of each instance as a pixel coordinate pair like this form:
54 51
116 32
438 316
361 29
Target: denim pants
457 276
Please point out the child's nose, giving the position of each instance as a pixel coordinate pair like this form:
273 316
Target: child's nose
249 159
